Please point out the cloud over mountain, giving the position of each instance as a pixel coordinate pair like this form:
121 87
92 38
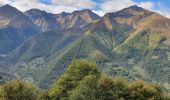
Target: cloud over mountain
99 6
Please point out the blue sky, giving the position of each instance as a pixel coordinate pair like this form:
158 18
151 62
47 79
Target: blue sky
98 6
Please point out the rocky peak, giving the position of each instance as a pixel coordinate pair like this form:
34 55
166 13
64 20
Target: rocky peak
7 10
135 8
35 12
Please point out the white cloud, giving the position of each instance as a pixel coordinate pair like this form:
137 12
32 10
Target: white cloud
58 6
164 13
163 10
2 2
147 5
75 3
99 12
116 5
28 4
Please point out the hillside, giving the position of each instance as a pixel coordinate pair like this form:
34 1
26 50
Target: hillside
15 27
133 43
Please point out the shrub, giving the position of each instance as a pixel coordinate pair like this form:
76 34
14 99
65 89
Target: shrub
145 91
19 90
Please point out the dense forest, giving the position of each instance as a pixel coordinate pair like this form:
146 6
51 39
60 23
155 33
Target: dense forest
83 81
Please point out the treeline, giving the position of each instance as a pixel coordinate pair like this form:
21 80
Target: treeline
82 81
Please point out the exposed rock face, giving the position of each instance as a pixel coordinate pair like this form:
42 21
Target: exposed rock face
43 20
47 21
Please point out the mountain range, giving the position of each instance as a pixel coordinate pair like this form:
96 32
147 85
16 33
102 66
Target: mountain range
37 46
16 26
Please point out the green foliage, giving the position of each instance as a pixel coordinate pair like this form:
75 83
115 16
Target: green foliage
140 43
167 96
104 84
43 96
145 91
69 80
86 89
1 92
19 90
82 81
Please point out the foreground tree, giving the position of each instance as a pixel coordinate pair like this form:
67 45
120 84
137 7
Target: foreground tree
1 92
113 88
86 89
70 79
145 91
166 96
19 90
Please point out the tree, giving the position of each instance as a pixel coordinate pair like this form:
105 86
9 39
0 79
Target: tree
112 88
86 89
19 90
104 87
145 91
166 96
70 79
1 92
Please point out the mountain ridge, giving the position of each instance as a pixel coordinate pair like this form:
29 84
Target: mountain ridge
48 21
17 26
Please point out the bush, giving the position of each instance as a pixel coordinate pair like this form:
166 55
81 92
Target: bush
19 90
1 92
145 91
167 96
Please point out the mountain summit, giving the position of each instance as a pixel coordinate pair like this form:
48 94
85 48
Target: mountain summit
47 21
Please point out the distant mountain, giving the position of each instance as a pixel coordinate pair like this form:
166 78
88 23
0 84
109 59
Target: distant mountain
15 27
47 21
77 18
132 42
